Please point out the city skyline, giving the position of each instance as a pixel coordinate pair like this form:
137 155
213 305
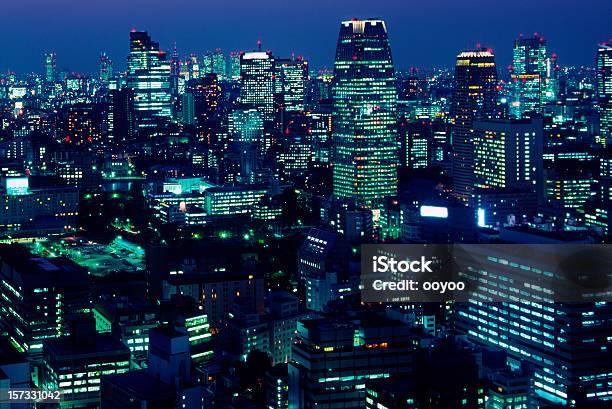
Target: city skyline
237 230
79 43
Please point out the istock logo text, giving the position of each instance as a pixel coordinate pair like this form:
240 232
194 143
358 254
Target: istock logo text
384 264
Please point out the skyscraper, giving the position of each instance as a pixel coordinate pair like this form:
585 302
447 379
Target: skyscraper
563 342
291 79
257 82
365 103
214 63
474 97
149 78
604 91
333 359
234 66
531 82
106 69
50 67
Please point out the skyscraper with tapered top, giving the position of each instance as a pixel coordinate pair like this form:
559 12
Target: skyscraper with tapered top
474 98
365 156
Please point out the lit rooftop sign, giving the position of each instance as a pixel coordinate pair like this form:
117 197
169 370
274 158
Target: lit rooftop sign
434 211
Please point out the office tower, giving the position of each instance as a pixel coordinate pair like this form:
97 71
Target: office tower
365 157
474 97
50 68
82 127
198 328
106 69
129 318
531 76
175 72
508 154
246 331
75 364
322 268
416 142
245 125
564 342
32 204
604 92
446 376
569 183
215 63
148 76
291 81
257 83
333 359
120 116
508 177
206 93
293 155
284 313
39 297
234 66
216 292
232 200
188 109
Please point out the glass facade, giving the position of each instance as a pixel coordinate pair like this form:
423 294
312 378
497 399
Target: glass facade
365 156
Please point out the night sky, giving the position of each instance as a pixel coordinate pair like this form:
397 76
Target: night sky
423 33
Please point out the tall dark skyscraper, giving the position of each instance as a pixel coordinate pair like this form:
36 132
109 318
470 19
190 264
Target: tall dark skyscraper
365 104
604 91
149 78
474 97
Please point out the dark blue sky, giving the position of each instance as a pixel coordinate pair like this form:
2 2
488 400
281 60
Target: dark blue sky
422 33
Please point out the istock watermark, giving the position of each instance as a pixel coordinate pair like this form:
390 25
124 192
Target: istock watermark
486 273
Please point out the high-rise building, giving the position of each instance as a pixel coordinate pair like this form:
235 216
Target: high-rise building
533 82
564 342
75 364
215 63
50 68
246 125
365 158
234 66
257 83
604 92
332 360
508 154
39 297
474 97
106 69
175 71
291 80
508 177
206 93
148 76
120 116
